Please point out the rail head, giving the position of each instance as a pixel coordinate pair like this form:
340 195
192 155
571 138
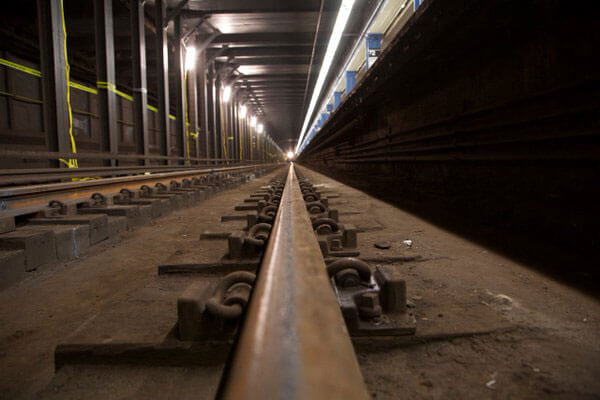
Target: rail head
294 343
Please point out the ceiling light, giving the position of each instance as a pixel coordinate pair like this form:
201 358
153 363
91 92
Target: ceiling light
226 93
253 121
260 128
243 111
334 41
190 58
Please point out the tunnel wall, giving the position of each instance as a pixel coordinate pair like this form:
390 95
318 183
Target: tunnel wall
483 117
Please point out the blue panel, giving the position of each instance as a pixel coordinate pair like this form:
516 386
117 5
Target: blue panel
337 99
372 47
329 108
417 4
350 81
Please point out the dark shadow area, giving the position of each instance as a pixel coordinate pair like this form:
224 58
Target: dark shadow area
483 120
544 217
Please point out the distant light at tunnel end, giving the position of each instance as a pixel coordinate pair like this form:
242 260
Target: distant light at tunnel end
290 155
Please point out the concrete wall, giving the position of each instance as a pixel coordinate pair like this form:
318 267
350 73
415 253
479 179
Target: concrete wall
483 116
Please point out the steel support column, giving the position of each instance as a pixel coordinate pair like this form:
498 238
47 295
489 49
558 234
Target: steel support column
162 72
106 77
54 76
192 110
204 108
217 114
230 129
236 129
210 115
180 124
140 85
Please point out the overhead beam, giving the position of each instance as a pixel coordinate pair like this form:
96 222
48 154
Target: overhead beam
274 77
265 51
265 38
303 60
236 6
174 12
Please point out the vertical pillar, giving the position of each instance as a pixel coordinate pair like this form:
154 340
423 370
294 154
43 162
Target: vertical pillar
216 114
236 130
106 77
180 100
192 110
337 99
162 72
229 129
249 135
210 104
350 81
140 86
203 98
54 76
373 47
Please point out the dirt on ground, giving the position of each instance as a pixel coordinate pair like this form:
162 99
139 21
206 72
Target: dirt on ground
487 326
112 294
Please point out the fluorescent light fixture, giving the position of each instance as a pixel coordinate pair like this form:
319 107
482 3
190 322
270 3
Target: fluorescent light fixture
243 111
334 41
290 155
226 93
190 58
260 128
253 121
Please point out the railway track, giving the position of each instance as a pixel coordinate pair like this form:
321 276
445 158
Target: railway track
294 331
275 316
278 301
21 200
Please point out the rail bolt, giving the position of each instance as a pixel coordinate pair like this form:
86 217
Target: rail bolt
368 304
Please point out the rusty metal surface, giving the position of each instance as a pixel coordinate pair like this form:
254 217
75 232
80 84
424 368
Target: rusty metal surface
21 200
294 343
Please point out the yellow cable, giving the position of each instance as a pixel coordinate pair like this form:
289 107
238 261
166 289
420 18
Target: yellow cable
72 163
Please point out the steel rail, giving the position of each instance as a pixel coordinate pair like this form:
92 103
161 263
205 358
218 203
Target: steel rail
294 343
49 155
42 175
22 200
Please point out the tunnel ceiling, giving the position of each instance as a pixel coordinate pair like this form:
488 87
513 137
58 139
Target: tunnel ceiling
269 43
266 44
